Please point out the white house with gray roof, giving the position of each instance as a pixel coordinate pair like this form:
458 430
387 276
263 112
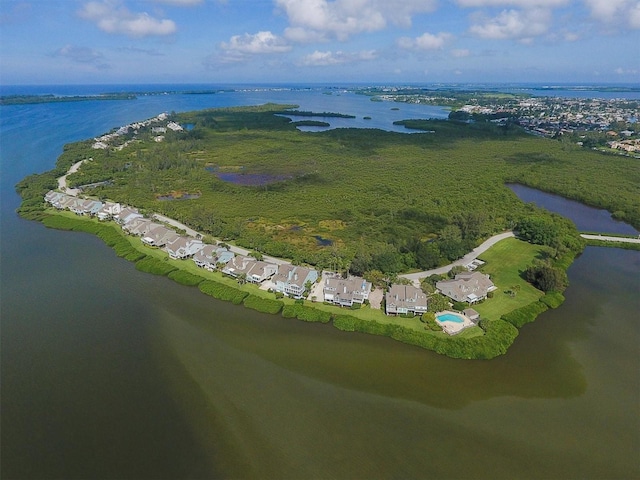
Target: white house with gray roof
470 287
405 299
256 271
346 292
126 215
291 279
210 256
183 247
159 236
139 226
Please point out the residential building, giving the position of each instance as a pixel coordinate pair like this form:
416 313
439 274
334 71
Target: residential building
468 287
159 236
127 214
292 279
109 210
183 247
405 299
346 292
139 226
255 271
210 256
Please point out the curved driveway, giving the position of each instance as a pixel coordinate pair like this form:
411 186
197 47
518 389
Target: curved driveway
472 255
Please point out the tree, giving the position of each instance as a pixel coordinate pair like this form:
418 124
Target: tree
546 278
242 278
257 255
456 269
437 303
375 277
427 255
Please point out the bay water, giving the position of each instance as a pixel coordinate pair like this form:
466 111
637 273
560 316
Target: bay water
110 373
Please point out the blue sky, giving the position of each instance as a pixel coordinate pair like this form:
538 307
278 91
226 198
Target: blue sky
272 41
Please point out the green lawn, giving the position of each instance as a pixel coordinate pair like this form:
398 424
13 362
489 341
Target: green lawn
505 261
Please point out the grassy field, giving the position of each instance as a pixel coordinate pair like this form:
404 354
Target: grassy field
505 262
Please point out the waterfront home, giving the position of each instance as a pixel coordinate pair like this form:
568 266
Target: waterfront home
255 271
139 226
405 299
159 236
210 256
54 198
90 207
292 279
126 215
109 210
468 287
346 292
183 247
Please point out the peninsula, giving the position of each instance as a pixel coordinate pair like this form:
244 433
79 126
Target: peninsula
348 210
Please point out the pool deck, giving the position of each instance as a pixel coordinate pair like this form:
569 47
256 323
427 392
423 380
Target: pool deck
453 328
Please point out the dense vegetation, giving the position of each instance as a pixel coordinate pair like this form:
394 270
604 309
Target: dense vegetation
376 203
28 99
380 200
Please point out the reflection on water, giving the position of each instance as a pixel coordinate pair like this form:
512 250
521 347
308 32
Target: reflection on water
587 219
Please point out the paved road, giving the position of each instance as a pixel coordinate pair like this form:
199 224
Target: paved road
233 248
472 255
62 181
610 239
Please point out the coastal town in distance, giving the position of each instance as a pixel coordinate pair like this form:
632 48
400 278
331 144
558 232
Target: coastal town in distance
607 125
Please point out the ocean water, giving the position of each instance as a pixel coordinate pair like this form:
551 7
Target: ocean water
108 372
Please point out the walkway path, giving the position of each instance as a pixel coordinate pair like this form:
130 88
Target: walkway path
472 255
610 239
233 248
62 181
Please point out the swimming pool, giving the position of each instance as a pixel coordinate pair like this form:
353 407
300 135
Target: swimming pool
449 317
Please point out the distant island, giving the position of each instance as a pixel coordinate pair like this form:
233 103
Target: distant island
50 98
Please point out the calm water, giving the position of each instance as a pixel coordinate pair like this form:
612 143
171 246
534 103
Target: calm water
587 219
111 373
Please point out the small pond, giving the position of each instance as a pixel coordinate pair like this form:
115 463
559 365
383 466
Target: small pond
180 196
250 179
587 219
323 242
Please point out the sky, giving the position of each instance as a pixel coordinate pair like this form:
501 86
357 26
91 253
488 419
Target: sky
45 42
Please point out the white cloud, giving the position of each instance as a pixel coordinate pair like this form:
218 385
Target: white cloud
111 17
259 43
571 37
513 3
619 12
623 71
513 24
181 3
460 52
426 41
241 48
318 58
311 20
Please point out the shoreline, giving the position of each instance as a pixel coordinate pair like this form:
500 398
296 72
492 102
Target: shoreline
497 334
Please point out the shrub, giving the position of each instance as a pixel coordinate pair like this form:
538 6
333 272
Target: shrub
155 266
222 291
524 315
264 305
459 306
307 314
185 278
553 299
